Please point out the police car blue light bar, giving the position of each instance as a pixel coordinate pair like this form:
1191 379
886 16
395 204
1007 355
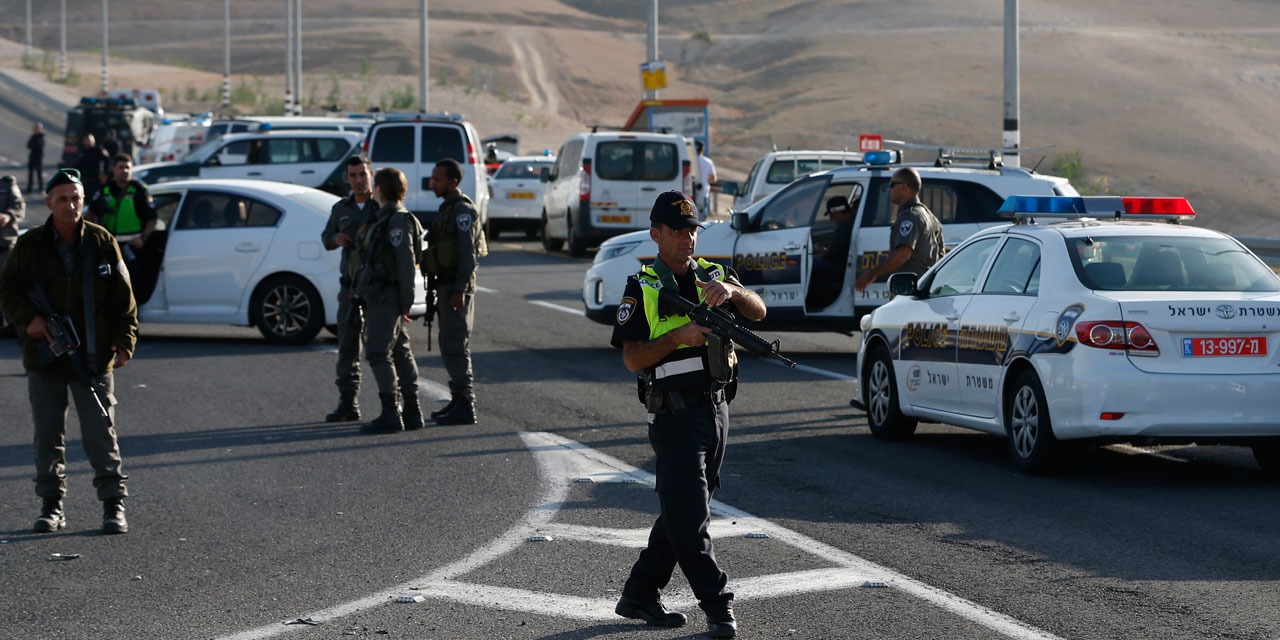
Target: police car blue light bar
1075 207
883 157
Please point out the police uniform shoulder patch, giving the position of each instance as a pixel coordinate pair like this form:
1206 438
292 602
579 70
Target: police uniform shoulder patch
395 237
626 309
464 223
905 227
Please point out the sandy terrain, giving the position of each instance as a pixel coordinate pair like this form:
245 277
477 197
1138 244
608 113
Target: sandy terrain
1169 97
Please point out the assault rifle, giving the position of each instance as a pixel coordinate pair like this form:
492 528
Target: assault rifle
722 323
66 342
433 305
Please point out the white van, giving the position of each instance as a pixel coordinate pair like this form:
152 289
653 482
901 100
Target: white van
603 184
415 143
777 169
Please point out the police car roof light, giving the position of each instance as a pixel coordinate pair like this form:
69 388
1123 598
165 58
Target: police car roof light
1168 208
882 157
1077 207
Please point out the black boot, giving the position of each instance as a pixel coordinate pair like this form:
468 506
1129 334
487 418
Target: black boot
389 421
113 516
453 399
463 412
348 409
411 410
51 516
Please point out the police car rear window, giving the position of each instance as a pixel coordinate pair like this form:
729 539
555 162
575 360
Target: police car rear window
637 160
1168 263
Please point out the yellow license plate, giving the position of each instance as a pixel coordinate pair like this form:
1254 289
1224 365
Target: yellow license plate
617 219
520 195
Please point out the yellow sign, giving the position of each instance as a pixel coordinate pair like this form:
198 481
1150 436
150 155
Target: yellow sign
654 75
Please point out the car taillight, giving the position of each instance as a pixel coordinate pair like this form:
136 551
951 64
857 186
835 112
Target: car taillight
1113 334
471 153
584 182
364 146
686 177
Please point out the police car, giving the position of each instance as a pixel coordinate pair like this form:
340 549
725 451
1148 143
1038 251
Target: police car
773 243
1094 319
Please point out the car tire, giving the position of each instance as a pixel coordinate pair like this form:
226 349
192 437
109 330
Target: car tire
492 230
530 232
577 246
287 310
1034 448
1268 456
884 411
549 243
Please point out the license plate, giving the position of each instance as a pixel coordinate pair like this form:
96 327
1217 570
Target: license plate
519 195
617 219
1219 347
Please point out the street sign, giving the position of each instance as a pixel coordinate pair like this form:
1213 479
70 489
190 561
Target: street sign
654 75
870 142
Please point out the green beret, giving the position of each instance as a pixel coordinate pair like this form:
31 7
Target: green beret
63 176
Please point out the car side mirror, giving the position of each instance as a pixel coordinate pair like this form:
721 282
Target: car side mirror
739 221
903 284
544 174
213 161
729 187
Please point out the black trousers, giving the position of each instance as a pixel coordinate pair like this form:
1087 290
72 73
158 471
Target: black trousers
690 449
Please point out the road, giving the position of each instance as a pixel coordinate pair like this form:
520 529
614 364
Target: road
248 511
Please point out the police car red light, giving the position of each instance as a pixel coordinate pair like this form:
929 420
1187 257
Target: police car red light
1160 207
1112 334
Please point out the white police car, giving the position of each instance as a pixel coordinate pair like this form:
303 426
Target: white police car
1100 323
772 245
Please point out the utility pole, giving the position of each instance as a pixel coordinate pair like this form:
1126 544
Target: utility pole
28 49
288 57
297 59
62 57
1012 136
105 30
653 43
226 54
424 88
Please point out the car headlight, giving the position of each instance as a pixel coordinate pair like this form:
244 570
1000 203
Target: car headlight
614 250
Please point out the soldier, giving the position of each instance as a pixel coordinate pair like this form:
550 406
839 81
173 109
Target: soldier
455 247
916 241
74 261
348 215
14 210
383 268
688 376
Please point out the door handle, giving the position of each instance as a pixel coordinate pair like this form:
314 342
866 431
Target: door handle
246 247
307 171
791 247
1012 317
648 188
254 173
952 317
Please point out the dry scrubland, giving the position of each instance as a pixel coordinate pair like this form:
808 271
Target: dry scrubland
1157 96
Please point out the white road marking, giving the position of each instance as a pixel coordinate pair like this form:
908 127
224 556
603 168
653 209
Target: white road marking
485 289
552 305
563 463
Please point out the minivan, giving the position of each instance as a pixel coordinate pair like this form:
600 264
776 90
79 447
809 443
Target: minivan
415 143
603 184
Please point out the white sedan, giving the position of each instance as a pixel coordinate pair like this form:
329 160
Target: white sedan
1100 323
242 252
515 195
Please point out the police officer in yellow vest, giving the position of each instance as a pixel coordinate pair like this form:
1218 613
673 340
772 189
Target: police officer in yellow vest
456 244
125 208
687 377
382 264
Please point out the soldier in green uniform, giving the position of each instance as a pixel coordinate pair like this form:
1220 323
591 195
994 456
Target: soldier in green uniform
383 272
79 266
456 245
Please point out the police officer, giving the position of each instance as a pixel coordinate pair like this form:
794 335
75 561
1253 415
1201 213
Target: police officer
456 244
75 261
347 216
124 206
13 211
383 268
916 239
688 376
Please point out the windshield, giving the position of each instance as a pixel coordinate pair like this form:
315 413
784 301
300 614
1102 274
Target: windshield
202 152
1168 263
318 200
521 169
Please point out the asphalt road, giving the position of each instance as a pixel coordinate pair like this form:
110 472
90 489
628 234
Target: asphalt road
248 511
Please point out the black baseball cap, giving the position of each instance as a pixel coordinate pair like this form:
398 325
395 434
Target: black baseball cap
837 204
61 177
675 210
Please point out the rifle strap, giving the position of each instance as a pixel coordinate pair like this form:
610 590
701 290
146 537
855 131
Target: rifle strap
668 279
87 275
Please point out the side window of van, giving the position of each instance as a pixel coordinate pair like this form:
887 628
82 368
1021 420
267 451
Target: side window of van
330 149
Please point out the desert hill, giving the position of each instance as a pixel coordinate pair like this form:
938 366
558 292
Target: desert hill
1156 97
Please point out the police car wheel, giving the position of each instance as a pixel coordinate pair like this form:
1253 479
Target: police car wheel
1268 456
549 243
884 414
1032 444
287 310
